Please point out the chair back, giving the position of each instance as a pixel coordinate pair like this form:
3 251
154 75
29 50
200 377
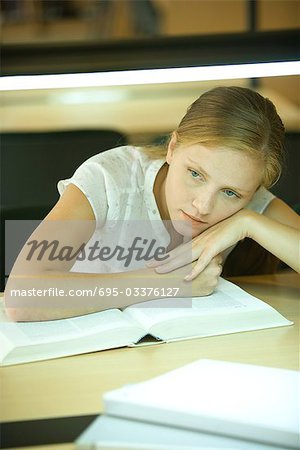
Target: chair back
31 165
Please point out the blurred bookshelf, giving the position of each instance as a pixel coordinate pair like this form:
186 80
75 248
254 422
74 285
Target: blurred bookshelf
62 36
25 21
53 20
34 21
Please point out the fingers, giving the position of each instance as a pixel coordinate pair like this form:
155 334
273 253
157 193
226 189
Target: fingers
174 264
183 255
205 262
175 253
195 250
179 257
197 269
218 259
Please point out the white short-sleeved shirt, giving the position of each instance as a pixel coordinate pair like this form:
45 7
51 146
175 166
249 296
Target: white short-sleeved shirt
119 184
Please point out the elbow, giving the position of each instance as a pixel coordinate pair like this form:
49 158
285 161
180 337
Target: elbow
13 314
18 307
19 314
13 309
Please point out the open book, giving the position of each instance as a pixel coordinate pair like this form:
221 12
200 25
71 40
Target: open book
228 310
234 400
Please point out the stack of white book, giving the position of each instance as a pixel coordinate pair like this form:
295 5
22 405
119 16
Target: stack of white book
204 405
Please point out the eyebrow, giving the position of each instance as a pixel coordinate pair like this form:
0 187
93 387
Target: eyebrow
208 176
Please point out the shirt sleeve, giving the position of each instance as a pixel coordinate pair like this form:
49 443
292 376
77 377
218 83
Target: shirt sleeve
90 180
260 200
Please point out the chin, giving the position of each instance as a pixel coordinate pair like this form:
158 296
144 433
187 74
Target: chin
189 230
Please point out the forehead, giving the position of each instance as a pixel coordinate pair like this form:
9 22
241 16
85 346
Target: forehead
225 166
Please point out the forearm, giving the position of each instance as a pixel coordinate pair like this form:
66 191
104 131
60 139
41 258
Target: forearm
281 240
54 295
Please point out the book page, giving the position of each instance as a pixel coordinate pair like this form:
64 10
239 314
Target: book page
29 333
225 297
228 309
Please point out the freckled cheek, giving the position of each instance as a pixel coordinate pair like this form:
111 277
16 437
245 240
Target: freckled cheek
178 190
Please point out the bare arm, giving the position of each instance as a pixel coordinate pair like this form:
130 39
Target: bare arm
72 223
277 231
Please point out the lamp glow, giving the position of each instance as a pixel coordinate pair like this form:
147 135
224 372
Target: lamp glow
149 76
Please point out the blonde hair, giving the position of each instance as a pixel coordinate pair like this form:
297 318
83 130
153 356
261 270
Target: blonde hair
240 119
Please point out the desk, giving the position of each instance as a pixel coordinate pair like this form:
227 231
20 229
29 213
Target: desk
74 385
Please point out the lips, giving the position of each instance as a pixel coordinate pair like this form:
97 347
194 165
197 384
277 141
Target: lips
192 218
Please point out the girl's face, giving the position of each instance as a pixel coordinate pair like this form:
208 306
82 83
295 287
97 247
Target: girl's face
206 185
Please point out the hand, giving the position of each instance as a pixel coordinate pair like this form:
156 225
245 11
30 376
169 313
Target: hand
206 282
206 246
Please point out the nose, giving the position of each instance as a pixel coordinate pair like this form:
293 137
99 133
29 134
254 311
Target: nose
204 203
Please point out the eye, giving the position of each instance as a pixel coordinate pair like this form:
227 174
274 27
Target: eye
195 175
231 194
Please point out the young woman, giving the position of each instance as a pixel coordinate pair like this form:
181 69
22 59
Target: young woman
207 193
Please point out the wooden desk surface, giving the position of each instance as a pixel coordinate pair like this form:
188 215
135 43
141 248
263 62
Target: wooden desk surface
74 386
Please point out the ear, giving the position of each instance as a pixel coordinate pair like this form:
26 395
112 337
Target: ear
171 147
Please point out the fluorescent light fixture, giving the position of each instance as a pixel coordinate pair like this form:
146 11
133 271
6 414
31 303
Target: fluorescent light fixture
149 76
80 97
